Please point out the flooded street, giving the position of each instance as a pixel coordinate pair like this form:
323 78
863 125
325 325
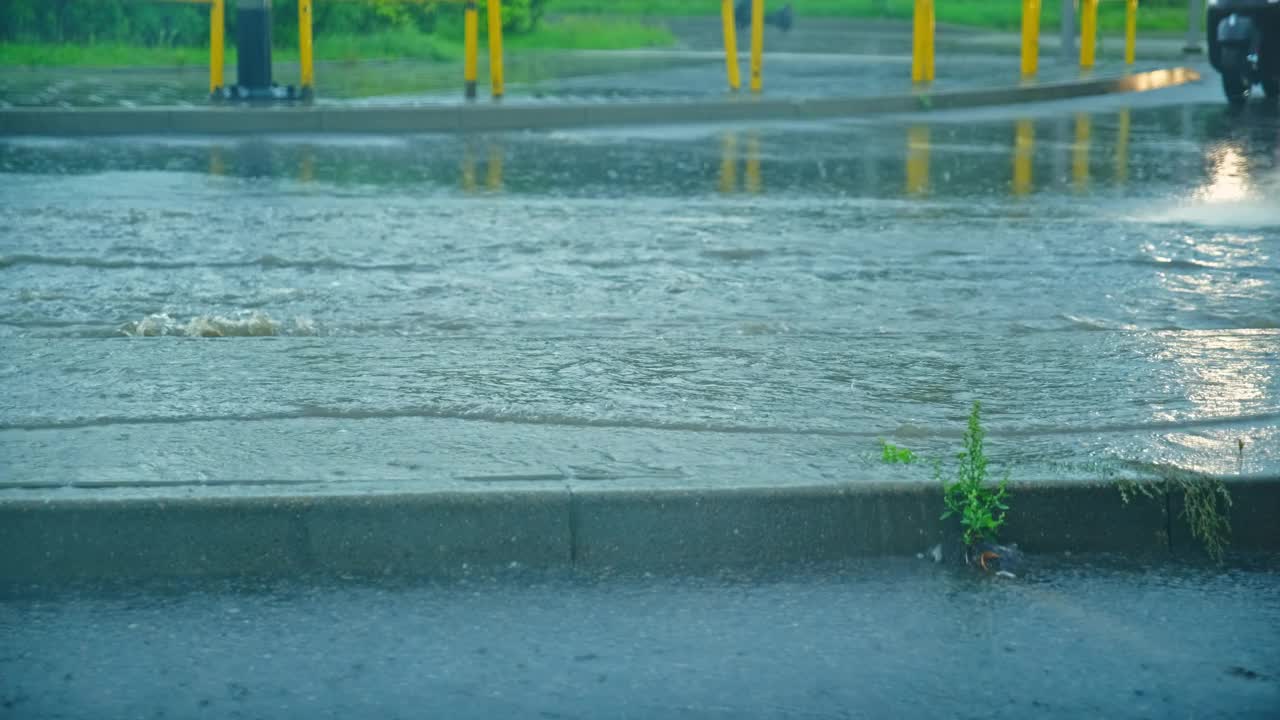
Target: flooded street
662 306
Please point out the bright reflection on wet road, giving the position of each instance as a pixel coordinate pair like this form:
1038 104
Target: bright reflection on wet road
670 306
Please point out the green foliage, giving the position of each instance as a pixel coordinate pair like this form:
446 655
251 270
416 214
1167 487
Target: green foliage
159 24
892 454
979 504
1206 502
1157 15
579 33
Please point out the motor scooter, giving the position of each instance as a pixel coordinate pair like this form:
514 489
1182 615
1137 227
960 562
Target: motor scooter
1244 46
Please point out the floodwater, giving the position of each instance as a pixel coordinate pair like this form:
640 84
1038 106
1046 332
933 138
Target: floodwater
885 638
669 306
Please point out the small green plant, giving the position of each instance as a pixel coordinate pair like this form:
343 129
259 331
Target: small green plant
979 504
893 454
1206 503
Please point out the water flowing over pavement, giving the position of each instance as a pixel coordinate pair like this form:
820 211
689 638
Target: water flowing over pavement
669 306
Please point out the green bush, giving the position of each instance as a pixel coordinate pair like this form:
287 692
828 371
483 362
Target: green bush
172 25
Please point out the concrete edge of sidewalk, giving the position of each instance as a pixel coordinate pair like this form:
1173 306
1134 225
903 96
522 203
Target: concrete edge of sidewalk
70 122
451 533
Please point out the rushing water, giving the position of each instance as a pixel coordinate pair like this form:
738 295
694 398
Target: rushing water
679 307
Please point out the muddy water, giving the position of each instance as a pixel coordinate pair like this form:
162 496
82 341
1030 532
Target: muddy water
672 307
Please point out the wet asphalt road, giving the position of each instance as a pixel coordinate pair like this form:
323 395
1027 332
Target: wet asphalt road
896 638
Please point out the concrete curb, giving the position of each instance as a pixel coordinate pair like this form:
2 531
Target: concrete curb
480 118
449 533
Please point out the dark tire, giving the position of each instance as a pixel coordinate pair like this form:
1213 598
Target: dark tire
1235 83
1271 88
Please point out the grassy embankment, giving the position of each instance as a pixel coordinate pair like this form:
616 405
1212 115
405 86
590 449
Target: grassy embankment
570 33
1169 16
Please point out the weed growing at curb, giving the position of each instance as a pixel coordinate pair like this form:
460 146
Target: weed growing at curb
1205 504
979 504
893 454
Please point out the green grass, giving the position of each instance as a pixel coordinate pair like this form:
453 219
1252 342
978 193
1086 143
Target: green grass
592 33
994 14
894 454
101 55
562 34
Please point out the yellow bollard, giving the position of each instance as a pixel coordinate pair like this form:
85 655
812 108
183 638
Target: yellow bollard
493 173
1130 31
751 180
1122 148
730 44
495 48
729 163
307 165
471 45
757 45
922 42
917 159
1080 152
216 164
217 33
468 169
1023 154
1088 33
305 59
1030 37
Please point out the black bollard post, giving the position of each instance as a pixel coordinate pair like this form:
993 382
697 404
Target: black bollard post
253 44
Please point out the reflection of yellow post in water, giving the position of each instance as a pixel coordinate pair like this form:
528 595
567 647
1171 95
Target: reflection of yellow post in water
922 42
217 31
1023 153
216 165
1130 30
308 79
468 168
307 164
1122 148
1080 152
729 162
1088 33
495 48
730 43
1030 37
493 173
757 45
752 181
918 159
471 48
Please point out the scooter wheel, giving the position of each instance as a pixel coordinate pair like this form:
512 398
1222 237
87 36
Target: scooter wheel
1271 87
1234 83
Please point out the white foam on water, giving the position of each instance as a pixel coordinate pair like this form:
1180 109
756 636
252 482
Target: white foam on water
242 324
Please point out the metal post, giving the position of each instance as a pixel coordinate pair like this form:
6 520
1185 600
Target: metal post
308 79
757 45
1023 154
495 48
1130 31
217 44
918 160
922 42
1080 152
1195 11
1088 34
730 44
1068 37
253 45
471 43
1030 37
